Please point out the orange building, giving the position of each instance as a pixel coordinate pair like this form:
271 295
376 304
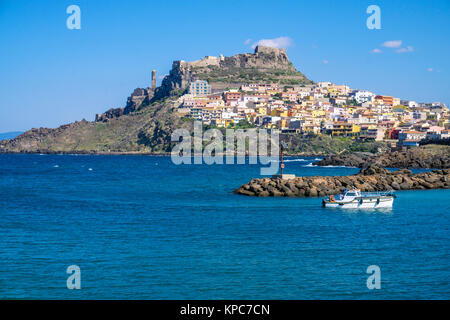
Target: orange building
386 99
232 96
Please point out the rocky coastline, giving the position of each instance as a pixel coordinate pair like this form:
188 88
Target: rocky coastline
424 157
369 179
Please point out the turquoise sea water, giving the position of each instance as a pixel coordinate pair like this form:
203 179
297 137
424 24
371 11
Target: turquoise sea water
140 227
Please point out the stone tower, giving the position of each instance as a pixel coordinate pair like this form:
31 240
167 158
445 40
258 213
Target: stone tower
153 79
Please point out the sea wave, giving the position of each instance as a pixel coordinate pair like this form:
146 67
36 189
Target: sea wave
291 160
316 166
310 165
338 167
295 160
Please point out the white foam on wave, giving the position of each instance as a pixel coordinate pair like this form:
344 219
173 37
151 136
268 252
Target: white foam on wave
55 166
295 160
338 167
310 165
291 160
316 166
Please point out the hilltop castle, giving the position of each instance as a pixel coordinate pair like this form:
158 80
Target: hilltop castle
264 65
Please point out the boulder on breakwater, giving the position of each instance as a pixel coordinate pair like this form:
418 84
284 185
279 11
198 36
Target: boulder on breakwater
372 178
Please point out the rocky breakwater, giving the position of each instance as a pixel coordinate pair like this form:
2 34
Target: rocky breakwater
369 179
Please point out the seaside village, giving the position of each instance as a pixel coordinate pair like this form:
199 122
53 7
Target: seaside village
324 107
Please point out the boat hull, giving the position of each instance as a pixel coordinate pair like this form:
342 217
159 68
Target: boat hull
384 202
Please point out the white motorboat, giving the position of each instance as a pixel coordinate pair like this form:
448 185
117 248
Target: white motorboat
355 199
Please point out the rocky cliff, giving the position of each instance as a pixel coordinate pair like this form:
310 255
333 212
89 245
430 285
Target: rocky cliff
370 179
137 99
266 64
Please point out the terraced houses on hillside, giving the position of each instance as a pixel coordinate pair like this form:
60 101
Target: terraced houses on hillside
324 107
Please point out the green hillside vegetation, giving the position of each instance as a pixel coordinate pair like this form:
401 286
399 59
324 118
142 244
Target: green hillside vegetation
147 130
214 74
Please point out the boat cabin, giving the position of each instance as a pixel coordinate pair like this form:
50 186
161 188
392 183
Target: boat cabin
352 193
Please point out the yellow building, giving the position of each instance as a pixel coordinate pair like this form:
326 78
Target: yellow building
261 111
273 92
282 113
228 122
356 129
283 124
318 113
251 117
276 112
341 128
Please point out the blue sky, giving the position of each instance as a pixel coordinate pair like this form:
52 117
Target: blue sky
50 75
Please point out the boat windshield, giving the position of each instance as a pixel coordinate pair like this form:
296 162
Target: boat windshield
351 194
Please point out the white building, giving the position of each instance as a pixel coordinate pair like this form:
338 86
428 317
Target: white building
364 96
247 99
409 103
324 84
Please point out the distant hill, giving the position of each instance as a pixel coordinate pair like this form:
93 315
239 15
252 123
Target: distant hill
10 135
145 124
